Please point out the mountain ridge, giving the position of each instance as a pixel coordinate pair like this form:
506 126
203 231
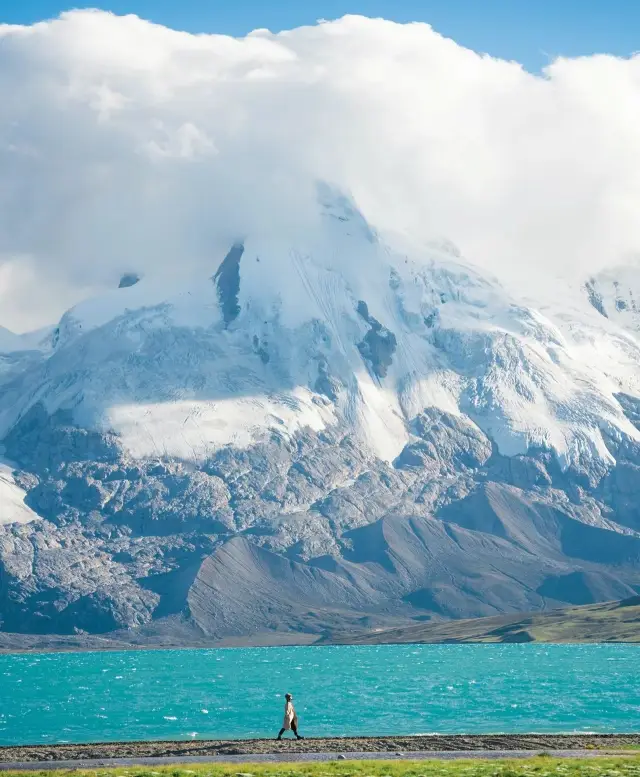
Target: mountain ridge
351 428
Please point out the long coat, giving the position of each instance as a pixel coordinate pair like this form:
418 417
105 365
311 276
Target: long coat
290 717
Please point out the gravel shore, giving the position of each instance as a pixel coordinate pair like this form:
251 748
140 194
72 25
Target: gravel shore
288 747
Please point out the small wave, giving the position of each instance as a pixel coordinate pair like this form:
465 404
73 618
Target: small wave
170 717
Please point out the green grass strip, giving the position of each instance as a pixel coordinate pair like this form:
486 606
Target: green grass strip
537 766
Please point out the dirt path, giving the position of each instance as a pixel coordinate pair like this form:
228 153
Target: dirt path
291 749
422 755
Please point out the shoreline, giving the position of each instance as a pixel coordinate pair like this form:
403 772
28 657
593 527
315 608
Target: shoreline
391 745
126 647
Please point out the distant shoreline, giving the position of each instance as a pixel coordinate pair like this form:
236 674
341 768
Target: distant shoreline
128 647
240 645
391 745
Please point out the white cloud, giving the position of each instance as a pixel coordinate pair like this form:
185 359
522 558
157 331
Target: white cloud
128 146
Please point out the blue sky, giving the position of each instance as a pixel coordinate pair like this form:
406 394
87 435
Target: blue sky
530 31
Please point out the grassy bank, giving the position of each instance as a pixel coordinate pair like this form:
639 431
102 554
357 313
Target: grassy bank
606 622
538 766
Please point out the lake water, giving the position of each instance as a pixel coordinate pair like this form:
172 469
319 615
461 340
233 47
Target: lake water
391 689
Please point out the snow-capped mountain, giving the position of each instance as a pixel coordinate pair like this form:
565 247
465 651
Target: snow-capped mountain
331 428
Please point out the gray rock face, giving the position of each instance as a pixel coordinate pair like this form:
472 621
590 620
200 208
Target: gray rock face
227 280
62 580
445 441
379 344
595 298
583 587
305 534
128 279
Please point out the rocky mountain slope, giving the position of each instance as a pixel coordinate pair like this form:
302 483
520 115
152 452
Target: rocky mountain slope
331 431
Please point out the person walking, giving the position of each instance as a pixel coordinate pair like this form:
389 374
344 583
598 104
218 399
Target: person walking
290 722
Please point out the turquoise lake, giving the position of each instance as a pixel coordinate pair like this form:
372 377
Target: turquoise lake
391 689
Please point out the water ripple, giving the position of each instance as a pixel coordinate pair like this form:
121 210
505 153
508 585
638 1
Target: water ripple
395 689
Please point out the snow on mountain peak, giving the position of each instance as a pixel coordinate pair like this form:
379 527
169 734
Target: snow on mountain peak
337 326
